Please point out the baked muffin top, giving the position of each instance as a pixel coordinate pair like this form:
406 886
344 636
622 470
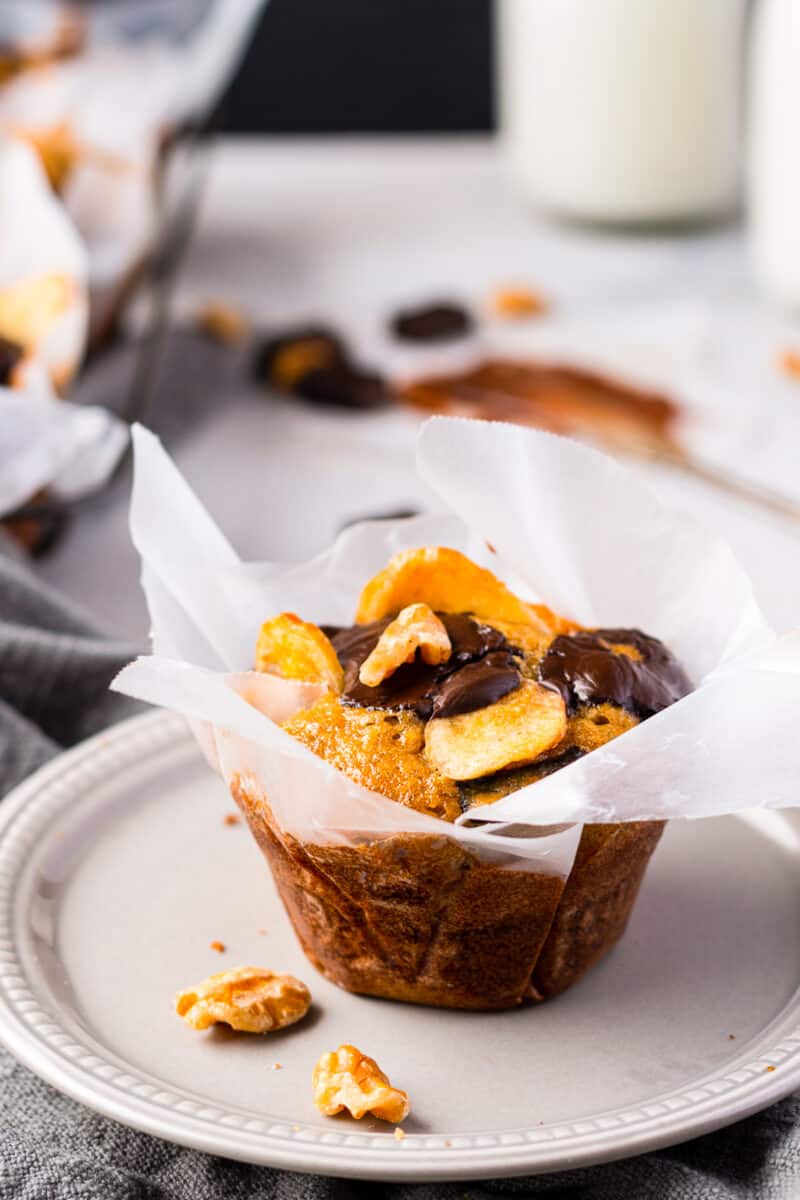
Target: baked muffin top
449 691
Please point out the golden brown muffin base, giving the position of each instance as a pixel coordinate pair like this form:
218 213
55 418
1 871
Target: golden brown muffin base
379 748
597 901
415 917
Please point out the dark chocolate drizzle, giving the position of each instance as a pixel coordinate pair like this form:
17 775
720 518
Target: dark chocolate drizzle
481 669
585 670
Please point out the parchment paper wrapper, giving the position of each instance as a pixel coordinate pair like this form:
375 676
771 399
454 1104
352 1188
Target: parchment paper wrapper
38 239
118 100
48 443
392 902
117 125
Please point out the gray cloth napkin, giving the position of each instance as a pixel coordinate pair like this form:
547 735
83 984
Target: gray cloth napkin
54 674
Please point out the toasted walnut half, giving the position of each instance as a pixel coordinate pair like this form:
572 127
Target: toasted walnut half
514 731
298 650
444 579
247 998
417 627
347 1079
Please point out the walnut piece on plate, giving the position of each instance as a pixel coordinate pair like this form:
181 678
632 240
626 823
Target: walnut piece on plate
249 999
346 1079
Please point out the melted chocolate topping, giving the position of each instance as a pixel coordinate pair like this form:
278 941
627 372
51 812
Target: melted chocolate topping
480 670
585 669
477 685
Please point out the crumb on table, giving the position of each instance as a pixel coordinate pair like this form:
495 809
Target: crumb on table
516 302
218 946
222 322
231 819
789 362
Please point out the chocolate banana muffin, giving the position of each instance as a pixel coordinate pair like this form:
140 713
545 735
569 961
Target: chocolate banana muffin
449 692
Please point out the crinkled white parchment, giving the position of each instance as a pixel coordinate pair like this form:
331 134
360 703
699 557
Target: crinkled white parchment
48 443
572 528
38 238
119 99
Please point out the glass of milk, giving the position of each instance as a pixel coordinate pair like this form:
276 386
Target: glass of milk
623 110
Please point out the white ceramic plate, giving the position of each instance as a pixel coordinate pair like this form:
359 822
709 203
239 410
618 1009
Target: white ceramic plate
117 871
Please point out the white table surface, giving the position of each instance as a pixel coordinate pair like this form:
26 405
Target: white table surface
346 230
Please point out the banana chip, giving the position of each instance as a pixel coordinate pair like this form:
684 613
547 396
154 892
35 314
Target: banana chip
298 650
514 731
445 580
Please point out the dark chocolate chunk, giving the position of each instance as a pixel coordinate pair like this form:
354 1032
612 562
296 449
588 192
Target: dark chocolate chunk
477 685
412 686
10 354
471 639
480 670
593 668
281 359
432 323
314 362
344 385
354 643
